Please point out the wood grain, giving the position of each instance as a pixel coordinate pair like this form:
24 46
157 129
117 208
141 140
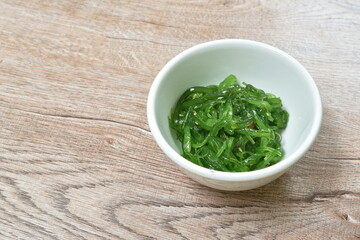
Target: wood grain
77 160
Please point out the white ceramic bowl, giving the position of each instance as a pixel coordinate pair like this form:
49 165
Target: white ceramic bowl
261 65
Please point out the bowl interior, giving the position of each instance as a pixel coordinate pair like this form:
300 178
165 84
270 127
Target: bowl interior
258 64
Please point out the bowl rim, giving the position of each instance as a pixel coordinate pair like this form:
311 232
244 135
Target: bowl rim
232 176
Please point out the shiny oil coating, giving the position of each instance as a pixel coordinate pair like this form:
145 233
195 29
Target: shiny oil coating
78 160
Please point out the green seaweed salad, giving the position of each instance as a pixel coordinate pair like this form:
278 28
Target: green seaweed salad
229 127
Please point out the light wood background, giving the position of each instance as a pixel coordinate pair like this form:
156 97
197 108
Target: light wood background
77 160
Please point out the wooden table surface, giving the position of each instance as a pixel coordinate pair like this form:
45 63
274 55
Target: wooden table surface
77 160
